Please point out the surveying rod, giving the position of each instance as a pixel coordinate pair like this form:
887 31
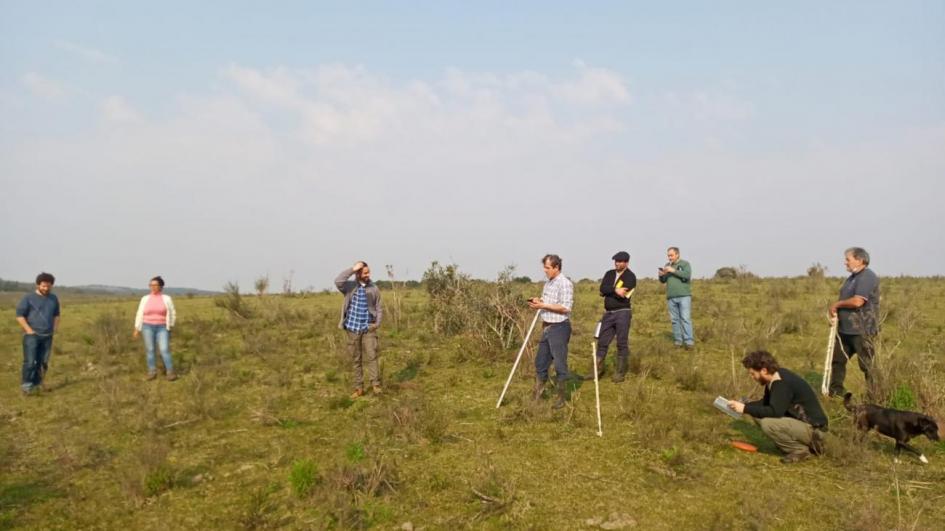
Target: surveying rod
517 359
600 431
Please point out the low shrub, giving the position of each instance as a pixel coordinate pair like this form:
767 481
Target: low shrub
158 480
303 477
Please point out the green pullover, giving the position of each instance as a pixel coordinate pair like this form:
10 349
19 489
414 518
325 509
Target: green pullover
677 283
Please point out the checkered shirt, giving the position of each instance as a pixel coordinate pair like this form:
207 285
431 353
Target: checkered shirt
358 317
558 290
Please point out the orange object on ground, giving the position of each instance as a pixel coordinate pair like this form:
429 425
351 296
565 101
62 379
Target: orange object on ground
744 446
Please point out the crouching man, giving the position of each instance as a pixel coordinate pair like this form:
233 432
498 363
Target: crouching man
789 413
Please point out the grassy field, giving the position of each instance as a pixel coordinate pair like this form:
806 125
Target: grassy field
259 432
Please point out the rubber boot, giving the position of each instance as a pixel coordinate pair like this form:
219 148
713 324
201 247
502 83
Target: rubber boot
562 399
600 368
539 389
621 371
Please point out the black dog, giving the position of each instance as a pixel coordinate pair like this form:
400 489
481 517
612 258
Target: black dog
900 425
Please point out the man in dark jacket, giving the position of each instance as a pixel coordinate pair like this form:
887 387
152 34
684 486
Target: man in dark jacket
789 413
360 316
616 288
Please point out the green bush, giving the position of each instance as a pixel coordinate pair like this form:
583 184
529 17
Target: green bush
447 288
233 302
491 313
817 271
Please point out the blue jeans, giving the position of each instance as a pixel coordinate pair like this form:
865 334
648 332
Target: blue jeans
553 347
162 336
680 314
36 351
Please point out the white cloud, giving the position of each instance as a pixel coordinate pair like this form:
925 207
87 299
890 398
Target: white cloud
309 169
596 86
711 105
43 87
278 88
344 105
86 53
116 109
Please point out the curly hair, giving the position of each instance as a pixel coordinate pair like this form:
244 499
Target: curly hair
761 359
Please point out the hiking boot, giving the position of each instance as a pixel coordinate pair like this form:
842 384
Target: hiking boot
795 457
835 392
562 399
171 376
538 390
601 368
378 390
817 441
151 375
621 371
688 347
357 393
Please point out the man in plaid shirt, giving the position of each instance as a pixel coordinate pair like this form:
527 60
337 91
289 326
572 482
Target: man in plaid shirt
555 304
360 317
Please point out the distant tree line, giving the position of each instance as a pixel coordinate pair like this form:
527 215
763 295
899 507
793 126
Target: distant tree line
12 285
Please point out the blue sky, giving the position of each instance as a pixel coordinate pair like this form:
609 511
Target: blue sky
224 140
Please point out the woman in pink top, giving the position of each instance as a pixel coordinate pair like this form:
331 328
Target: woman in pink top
154 320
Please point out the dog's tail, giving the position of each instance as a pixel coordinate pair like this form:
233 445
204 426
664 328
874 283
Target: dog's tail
846 401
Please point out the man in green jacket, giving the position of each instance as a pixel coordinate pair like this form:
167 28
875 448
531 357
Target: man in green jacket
676 274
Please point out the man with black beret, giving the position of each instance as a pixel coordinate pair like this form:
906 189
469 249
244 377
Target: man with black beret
616 288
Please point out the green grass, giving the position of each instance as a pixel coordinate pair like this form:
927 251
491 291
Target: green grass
261 400
303 477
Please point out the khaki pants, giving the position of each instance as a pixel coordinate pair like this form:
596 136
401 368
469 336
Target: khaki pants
789 434
362 348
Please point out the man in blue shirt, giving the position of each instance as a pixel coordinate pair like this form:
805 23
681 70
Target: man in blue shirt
857 313
38 316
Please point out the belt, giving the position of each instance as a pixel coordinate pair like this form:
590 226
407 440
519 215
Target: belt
617 310
546 325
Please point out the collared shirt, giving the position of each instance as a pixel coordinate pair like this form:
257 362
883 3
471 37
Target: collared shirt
558 290
358 317
863 320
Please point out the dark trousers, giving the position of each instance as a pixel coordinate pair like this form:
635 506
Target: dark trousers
36 350
614 324
862 348
553 347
